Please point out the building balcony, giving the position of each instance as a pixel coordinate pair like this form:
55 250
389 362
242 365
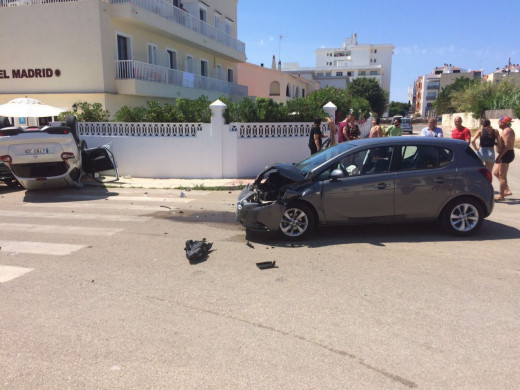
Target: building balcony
142 71
180 24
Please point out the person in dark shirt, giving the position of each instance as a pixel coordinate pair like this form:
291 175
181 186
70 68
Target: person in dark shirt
315 136
352 130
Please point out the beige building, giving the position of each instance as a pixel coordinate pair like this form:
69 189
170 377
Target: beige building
426 88
119 52
273 83
509 72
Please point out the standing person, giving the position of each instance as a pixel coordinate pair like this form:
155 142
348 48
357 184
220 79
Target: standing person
315 136
394 130
332 131
488 137
505 156
353 131
460 132
342 129
376 131
432 130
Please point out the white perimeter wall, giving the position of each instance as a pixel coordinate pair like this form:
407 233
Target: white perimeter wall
199 151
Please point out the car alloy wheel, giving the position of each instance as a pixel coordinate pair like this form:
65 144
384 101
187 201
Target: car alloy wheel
297 221
462 217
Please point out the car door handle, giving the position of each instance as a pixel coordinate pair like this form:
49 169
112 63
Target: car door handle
382 186
439 180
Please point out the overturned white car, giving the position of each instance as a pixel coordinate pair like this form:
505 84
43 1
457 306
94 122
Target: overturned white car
53 156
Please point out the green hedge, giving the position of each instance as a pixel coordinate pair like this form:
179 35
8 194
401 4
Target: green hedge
246 110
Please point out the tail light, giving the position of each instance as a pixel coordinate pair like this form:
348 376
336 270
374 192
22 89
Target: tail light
65 156
6 159
486 173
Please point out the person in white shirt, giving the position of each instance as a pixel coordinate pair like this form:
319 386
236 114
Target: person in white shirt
432 130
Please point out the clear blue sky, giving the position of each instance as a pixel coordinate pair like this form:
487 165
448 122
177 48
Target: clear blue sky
478 34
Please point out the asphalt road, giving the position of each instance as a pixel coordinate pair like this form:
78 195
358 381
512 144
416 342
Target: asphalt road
96 293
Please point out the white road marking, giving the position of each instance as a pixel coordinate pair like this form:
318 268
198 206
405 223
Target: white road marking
59 229
8 273
128 198
97 217
86 205
39 248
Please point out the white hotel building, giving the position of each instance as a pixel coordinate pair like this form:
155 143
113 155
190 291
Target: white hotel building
118 52
338 66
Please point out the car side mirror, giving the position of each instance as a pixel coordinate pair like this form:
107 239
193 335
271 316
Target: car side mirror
336 174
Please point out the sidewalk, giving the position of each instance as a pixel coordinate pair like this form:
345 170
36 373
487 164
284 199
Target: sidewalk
198 184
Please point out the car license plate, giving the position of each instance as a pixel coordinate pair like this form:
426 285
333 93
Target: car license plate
37 151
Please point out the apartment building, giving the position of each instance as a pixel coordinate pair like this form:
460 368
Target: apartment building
510 72
428 87
272 83
339 66
119 52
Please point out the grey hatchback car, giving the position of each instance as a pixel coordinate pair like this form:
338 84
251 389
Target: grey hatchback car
372 180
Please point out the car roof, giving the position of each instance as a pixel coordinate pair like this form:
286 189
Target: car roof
400 140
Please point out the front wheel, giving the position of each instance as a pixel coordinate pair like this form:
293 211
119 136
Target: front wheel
462 217
297 221
12 183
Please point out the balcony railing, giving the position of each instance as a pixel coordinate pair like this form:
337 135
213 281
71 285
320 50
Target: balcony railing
14 3
176 15
137 70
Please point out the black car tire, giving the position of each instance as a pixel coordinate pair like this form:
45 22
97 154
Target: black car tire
297 221
462 217
72 123
4 122
12 183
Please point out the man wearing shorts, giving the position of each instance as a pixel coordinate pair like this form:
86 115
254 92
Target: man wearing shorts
505 157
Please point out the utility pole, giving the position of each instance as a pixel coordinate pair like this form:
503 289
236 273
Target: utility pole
279 46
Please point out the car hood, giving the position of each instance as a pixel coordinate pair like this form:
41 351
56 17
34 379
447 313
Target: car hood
287 171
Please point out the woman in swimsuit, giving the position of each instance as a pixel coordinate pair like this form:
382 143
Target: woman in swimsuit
488 138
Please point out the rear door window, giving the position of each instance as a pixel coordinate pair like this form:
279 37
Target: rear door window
420 157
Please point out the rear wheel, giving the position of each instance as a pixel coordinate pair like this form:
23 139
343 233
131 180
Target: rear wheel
462 217
297 221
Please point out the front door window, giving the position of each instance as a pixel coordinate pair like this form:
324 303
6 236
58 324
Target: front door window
366 192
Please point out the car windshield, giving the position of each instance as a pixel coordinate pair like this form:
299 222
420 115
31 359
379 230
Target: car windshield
317 159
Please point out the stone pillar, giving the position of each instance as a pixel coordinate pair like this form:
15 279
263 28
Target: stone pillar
217 137
330 109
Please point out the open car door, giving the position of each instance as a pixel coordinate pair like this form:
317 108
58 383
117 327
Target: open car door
99 164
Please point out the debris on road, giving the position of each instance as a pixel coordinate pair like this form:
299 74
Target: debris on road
197 251
266 264
250 245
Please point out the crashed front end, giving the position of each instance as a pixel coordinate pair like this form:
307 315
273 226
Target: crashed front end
261 205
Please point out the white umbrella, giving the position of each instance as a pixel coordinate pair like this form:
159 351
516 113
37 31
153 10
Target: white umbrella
25 107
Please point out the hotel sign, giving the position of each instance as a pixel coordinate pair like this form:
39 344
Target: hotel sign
36 73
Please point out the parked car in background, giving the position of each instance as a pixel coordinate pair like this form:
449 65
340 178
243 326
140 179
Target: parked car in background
406 125
373 180
53 156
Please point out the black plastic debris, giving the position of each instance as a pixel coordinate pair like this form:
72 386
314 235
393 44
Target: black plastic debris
250 245
197 251
266 264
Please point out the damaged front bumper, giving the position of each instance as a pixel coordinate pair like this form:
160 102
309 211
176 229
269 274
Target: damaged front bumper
256 215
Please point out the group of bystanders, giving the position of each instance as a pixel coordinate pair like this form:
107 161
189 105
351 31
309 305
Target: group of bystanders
488 139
